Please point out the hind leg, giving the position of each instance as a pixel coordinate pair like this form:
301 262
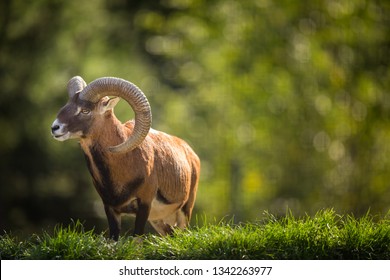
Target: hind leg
161 227
181 219
186 210
177 219
166 225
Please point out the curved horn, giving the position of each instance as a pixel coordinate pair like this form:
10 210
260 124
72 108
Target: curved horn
134 96
75 85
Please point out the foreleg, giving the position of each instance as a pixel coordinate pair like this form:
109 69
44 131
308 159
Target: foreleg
114 222
141 218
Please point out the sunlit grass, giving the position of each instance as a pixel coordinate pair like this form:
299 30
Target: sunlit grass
324 236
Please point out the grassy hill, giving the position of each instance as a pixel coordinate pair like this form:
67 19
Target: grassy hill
326 235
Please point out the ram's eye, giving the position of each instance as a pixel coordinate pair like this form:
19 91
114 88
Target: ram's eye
85 111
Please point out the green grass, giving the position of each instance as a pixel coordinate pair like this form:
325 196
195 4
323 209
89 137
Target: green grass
324 236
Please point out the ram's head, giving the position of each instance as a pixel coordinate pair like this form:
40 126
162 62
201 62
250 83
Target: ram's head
88 104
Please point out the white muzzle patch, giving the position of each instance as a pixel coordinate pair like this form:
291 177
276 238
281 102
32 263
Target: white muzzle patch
58 131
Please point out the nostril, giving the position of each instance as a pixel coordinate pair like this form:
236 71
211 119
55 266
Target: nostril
55 127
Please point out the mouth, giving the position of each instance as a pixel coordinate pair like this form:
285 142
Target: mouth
61 137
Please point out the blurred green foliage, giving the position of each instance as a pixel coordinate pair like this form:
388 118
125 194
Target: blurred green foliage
286 102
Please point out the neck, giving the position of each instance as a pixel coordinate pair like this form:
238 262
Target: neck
109 132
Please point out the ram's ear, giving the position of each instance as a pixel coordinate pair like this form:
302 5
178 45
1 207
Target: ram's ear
107 104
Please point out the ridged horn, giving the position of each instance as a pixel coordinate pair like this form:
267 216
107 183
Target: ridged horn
75 85
110 86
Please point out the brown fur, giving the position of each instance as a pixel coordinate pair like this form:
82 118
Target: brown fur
163 169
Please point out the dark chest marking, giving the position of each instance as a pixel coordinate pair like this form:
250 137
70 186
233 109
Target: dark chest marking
109 190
